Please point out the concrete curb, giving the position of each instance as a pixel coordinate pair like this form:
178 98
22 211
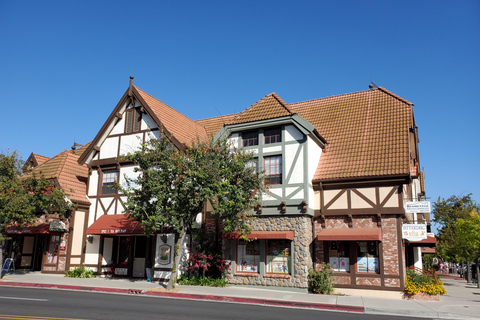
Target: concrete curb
189 296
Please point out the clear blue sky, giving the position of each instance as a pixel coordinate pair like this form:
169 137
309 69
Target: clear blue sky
66 64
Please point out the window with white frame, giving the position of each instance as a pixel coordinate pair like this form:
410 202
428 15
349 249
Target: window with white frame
248 256
109 181
273 169
278 256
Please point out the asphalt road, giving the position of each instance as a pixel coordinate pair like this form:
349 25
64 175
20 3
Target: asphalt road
43 304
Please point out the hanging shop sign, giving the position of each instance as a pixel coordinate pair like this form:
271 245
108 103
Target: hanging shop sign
57 225
414 232
418 207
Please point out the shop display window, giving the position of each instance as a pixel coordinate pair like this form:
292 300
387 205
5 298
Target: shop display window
278 256
367 257
339 255
53 249
248 254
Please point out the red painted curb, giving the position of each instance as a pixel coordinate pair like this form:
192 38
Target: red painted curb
265 302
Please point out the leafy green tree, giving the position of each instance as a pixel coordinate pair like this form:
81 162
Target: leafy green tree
468 237
23 195
446 214
173 186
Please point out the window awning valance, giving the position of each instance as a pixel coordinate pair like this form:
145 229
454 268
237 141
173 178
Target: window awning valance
430 241
350 234
115 224
40 228
289 235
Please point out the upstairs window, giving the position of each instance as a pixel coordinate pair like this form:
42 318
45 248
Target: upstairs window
273 170
273 135
250 138
109 180
133 119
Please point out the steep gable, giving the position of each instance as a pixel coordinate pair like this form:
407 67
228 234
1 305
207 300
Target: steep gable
177 127
269 107
184 129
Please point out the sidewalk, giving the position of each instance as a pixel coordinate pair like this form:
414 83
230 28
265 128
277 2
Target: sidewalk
462 300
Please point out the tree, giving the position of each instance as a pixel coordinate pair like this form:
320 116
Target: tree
468 238
21 196
173 186
446 213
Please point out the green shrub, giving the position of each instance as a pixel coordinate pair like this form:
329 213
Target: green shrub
321 282
418 282
80 272
202 281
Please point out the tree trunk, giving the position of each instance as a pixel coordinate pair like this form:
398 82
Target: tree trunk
178 251
469 272
476 266
1 260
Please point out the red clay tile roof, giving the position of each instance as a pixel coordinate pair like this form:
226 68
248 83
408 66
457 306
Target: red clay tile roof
40 159
366 132
71 176
269 107
180 126
213 125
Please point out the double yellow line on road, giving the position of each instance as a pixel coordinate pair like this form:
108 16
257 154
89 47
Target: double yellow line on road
15 317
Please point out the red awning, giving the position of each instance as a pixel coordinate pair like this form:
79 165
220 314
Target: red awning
351 234
115 224
262 235
41 228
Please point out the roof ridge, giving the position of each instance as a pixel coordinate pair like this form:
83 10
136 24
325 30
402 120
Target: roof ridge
216 117
334 96
395 96
282 102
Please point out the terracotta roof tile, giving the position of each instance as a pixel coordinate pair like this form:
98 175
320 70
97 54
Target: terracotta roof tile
269 107
180 126
213 125
367 133
71 176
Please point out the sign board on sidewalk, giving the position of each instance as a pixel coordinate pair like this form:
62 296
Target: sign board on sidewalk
7 265
414 232
417 207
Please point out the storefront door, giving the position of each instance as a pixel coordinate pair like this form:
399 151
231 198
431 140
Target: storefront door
139 253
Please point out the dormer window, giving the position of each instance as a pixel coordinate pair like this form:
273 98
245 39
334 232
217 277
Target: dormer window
273 135
250 138
133 119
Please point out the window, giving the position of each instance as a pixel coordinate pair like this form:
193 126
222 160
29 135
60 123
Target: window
278 256
273 135
250 138
110 178
273 170
248 254
367 257
339 254
133 119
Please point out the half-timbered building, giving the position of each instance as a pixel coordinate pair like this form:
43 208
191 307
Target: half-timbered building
339 168
54 243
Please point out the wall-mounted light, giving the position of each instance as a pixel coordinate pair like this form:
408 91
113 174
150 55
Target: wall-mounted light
90 239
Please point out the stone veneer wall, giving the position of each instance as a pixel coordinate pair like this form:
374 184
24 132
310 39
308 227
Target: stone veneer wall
390 252
302 226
